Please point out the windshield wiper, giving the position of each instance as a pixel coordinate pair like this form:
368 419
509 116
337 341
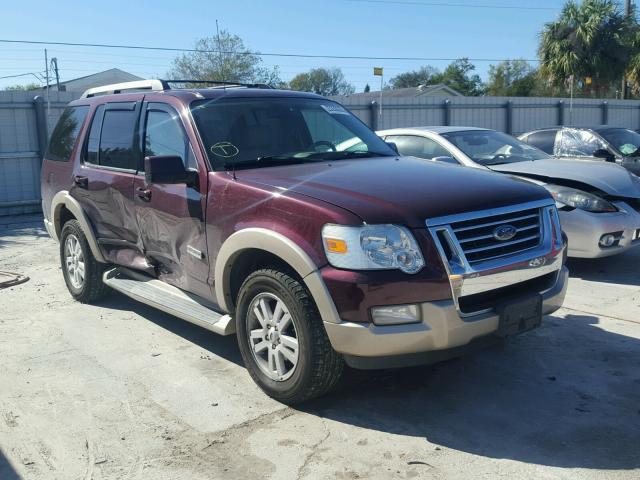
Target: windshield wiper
347 154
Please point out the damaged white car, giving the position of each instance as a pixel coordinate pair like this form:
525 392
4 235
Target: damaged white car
599 203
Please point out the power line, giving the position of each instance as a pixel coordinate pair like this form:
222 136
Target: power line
23 75
456 5
296 55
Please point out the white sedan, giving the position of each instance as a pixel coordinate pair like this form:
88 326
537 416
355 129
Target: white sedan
599 203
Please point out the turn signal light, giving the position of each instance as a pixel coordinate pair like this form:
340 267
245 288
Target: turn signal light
335 245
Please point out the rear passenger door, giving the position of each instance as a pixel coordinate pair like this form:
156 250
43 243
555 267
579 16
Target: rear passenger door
171 216
103 180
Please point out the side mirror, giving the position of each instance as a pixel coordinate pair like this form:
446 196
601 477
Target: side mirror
168 169
393 147
443 159
604 154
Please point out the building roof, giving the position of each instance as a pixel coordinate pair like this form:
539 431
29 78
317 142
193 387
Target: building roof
421 91
113 75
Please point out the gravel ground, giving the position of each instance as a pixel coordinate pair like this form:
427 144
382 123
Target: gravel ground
119 390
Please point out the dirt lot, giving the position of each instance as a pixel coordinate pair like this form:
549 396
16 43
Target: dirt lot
119 390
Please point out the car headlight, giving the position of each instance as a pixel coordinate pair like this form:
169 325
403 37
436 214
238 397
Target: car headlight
579 199
372 247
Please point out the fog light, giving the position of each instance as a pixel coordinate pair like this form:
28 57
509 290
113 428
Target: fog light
395 314
607 240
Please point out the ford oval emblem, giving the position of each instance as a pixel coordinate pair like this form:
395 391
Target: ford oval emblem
505 232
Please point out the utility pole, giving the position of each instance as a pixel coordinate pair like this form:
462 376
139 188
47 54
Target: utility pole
46 69
628 11
54 67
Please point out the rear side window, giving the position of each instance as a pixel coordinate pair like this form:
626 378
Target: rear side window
64 136
544 140
116 140
418 146
111 138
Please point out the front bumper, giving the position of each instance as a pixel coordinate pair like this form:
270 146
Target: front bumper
585 229
442 329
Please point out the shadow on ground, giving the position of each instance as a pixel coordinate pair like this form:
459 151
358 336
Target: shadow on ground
621 269
225 347
6 469
567 395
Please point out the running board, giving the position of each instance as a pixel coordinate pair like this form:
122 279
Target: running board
169 299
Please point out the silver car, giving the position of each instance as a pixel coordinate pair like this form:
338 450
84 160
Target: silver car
599 203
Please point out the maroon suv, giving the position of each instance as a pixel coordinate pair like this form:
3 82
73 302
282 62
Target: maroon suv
279 216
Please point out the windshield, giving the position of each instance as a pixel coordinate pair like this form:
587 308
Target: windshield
488 147
627 142
256 132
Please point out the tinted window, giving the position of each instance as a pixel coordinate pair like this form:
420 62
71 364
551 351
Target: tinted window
93 142
64 136
418 146
116 140
544 140
164 136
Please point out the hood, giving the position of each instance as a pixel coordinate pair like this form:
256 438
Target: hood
403 190
607 177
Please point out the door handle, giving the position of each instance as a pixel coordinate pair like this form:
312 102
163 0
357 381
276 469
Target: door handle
81 182
143 193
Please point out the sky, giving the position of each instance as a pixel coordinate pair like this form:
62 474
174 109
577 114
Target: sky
373 28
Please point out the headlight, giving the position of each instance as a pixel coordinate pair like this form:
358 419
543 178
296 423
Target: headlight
372 247
579 199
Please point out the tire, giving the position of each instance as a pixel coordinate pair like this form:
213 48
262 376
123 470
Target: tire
82 272
317 368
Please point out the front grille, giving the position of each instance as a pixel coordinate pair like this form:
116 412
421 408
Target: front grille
477 238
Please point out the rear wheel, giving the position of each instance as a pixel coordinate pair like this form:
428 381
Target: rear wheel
82 272
282 339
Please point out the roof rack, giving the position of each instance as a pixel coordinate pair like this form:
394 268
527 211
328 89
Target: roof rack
161 85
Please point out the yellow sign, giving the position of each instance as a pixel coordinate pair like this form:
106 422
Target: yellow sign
377 71
587 80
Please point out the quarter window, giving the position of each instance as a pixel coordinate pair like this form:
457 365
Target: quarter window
93 142
64 136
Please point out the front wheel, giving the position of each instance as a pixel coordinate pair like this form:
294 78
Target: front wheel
282 339
82 272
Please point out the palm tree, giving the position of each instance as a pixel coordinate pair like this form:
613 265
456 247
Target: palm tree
592 39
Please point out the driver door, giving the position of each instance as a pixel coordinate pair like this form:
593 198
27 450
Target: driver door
171 216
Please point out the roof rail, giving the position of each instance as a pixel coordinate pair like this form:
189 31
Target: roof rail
153 85
160 85
220 83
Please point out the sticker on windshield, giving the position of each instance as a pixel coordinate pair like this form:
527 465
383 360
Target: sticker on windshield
224 150
335 109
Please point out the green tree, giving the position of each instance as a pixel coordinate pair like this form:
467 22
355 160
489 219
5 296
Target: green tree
223 57
458 75
591 39
22 88
323 81
512 78
367 88
422 76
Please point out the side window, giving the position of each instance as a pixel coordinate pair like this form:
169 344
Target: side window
164 135
93 142
578 143
64 136
418 146
116 139
544 140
